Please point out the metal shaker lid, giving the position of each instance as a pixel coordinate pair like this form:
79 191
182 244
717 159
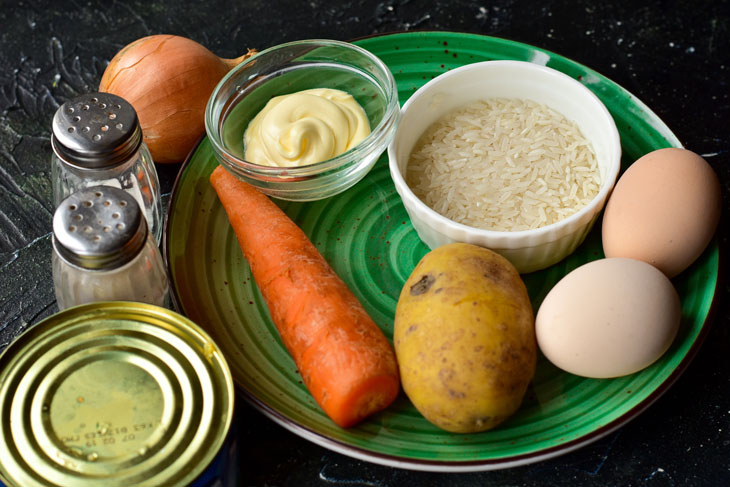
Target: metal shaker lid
99 228
95 130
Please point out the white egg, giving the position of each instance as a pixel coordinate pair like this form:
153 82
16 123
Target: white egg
608 318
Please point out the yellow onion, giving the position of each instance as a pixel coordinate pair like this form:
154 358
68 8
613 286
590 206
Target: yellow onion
168 80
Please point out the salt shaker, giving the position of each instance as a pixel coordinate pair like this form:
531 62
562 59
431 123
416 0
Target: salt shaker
103 251
97 140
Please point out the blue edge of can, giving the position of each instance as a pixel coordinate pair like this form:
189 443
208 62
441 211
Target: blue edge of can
223 471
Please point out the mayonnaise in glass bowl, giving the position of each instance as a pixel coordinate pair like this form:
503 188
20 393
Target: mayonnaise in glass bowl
528 250
291 68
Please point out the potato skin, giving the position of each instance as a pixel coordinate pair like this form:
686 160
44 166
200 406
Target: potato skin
464 337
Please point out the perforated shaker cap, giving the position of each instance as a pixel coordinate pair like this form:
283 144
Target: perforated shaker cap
95 130
99 228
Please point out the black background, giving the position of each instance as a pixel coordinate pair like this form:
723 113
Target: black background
673 55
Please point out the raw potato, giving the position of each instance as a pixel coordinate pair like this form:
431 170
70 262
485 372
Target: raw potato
464 337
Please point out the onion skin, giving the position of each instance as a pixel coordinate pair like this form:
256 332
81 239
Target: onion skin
168 80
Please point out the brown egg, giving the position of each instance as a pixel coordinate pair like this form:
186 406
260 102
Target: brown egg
664 210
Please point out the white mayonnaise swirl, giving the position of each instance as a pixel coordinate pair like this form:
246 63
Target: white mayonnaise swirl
304 128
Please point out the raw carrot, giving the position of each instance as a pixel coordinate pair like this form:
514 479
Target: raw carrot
345 360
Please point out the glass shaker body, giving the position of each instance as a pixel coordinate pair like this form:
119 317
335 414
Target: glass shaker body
97 140
143 280
103 251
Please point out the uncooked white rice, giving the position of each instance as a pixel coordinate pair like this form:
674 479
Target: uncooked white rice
504 164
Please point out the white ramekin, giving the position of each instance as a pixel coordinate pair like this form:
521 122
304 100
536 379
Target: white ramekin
528 250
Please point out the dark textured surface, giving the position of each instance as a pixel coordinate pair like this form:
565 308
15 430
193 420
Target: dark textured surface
674 56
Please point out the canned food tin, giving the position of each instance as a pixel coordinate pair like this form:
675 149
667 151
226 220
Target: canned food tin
114 394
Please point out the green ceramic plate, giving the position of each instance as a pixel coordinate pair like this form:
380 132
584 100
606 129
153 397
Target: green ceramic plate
367 237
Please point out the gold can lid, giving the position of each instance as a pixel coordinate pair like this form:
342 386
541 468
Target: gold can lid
112 394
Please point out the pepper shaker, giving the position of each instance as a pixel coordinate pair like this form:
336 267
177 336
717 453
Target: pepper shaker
97 140
103 251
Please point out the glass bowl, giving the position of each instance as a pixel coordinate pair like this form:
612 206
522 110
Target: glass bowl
528 250
289 68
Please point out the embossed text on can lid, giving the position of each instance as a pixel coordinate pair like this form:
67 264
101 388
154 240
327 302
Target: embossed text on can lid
95 130
113 394
100 227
